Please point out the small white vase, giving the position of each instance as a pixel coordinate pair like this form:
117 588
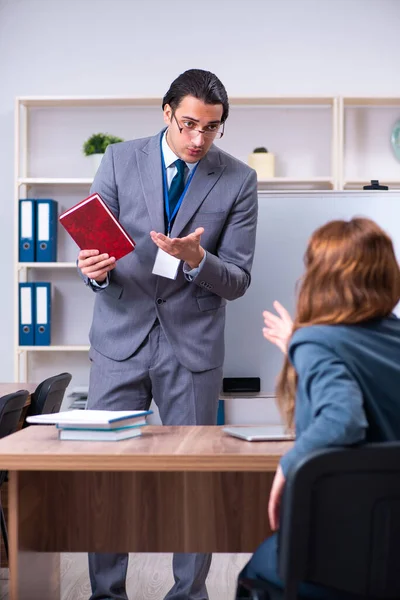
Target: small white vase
263 163
96 160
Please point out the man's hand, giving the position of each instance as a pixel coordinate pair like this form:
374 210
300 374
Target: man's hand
187 248
95 265
275 498
278 330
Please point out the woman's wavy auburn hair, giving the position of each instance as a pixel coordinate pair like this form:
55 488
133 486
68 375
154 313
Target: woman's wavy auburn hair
351 276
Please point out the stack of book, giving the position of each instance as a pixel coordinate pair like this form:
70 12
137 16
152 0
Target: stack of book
95 425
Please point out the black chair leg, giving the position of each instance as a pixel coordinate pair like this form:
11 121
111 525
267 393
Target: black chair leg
248 589
242 593
4 530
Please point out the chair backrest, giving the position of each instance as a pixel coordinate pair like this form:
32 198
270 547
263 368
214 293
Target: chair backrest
11 407
49 394
340 521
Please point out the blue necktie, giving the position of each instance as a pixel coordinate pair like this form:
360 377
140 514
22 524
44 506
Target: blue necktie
177 186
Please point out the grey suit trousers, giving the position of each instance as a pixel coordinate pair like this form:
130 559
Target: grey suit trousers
183 398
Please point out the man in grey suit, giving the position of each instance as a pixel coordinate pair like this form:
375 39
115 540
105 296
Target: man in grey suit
159 314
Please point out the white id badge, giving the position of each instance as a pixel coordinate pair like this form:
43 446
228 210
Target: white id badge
166 265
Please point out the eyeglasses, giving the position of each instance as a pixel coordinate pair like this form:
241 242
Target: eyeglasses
214 131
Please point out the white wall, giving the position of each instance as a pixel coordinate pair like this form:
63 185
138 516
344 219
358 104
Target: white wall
130 47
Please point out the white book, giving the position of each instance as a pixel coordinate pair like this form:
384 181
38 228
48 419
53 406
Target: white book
123 424
100 435
92 419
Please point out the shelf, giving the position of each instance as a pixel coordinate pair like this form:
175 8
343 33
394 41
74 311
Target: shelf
89 181
48 265
55 181
83 101
359 183
274 184
84 348
371 101
93 101
295 180
282 101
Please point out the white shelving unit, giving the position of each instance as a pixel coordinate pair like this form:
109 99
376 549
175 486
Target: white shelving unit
305 133
48 265
66 348
364 149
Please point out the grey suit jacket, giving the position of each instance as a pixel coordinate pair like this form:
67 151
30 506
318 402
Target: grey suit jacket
222 198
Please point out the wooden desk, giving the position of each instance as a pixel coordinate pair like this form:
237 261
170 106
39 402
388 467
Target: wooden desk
9 388
174 489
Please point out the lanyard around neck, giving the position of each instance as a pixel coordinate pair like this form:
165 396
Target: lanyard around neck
170 217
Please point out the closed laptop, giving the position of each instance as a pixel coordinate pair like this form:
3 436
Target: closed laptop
262 433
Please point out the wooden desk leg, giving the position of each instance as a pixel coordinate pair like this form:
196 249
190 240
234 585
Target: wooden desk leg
33 575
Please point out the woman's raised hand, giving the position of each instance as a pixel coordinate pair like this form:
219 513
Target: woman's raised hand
278 329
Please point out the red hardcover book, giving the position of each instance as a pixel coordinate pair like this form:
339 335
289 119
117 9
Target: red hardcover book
93 226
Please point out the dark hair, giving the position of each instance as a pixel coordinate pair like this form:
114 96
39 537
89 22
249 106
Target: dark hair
351 276
203 85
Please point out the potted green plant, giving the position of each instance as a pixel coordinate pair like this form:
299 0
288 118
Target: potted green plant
96 145
263 162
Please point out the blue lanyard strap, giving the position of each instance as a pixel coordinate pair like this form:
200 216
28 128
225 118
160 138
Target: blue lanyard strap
170 217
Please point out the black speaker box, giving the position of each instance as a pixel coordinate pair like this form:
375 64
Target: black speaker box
234 385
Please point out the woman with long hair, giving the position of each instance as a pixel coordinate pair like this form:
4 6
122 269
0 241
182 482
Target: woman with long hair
340 380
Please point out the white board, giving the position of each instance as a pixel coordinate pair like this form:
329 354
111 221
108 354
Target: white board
285 223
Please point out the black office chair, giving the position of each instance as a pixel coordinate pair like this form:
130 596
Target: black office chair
340 525
48 396
11 407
